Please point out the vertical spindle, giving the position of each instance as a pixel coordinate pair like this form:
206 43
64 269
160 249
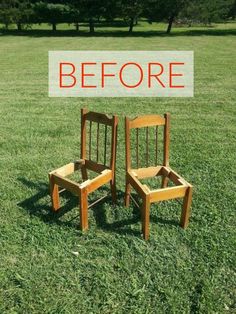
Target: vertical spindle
90 138
137 147
98 141
156 137
105 146
147 157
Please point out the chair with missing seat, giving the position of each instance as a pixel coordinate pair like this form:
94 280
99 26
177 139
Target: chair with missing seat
181 188
105 169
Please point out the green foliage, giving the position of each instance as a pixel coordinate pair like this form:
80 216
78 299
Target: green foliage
15 11
232 11
207 12
6 15
92 11
52 13
131 9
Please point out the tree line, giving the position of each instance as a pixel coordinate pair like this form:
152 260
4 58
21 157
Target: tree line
26 12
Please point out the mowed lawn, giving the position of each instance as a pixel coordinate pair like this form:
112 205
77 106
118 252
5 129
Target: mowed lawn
114 270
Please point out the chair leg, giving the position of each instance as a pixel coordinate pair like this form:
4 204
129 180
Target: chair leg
83 210
186 208
165 181
84 173
146 217
113 190
54 192
127 193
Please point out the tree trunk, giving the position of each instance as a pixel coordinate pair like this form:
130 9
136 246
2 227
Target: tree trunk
6 25
54 27
91 26
77 26
19 26
131 25
171 20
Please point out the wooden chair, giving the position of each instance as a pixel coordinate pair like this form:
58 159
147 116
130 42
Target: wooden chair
182 189
106 172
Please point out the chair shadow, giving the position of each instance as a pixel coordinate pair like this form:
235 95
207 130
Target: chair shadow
43 211
123 226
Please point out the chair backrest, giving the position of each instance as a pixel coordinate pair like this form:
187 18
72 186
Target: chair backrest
147 121
87 142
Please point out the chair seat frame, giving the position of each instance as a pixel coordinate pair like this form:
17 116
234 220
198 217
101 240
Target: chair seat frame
106 174
182 188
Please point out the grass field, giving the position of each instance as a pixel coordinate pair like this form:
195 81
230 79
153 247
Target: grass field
115 271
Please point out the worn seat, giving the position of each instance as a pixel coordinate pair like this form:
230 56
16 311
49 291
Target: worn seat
181 188
105 172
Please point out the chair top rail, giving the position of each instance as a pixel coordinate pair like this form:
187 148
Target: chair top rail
99 118
146 121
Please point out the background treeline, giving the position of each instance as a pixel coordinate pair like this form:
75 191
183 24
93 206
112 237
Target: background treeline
27 12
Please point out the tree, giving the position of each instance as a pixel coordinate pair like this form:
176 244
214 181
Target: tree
75 17
153 10
111 10
159 10
22 13
208 11
232 10
15 11
172 9
6 13
130 11
52 13
91 11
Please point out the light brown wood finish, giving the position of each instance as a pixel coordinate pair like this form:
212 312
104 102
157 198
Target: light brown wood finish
145 121
54 192
83 133
83 198
69 168
113 157
127 143
105 147
143 173
83 142
66 183
98 117
90 139
106 174
147 144
98 128
133 176
137 147
127 192
186 207
167 193
156 140
145 214
128 161
166 139
91 165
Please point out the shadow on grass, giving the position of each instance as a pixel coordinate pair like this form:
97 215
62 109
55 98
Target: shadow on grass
43 210
118 33
195 298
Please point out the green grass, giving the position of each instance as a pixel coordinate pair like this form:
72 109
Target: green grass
176 271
